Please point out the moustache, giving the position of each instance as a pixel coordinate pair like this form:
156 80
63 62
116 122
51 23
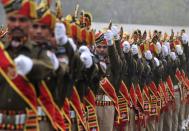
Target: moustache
17 34
17 29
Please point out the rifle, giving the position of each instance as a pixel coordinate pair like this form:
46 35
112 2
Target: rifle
76 11
110 25
121 32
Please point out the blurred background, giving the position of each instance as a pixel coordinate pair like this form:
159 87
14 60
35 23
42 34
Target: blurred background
170 13
148 12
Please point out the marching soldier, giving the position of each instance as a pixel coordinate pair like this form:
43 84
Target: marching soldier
69 73
123 100
128 82
42 32
136 64
181 66
175 63
127 57
69 59
20 48
184 40
135 74
157 79
167 66
107 54
158 75
148 74
92 74
135 38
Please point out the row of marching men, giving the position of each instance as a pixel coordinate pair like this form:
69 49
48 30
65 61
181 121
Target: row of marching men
149 81
53 78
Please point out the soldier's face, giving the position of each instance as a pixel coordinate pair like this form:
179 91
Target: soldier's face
144 37
135 37
101 49
18 25
155 34
182 32
159 35
40 33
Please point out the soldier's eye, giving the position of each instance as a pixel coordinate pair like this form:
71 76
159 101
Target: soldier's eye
44 27
35 26
23 19
12 19
102 46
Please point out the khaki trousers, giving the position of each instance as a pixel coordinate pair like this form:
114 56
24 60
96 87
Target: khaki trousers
167 122
45 126
160 124
105 116
187 111
132 124
151 125
176 123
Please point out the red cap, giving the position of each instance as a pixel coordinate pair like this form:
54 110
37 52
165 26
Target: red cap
22 7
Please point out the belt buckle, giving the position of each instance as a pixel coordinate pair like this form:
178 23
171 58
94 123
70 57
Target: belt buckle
106 98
